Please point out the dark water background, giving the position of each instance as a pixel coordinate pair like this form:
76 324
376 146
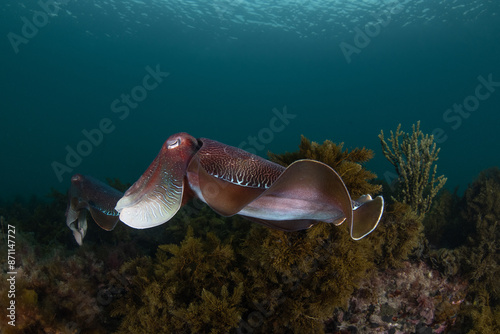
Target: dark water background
230 64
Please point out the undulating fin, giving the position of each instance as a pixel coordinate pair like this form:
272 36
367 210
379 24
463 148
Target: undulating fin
362 199
158 194
313 190
87 193
337 221
366 216
107 220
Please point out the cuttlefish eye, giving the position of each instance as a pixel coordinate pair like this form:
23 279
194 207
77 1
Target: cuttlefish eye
174 143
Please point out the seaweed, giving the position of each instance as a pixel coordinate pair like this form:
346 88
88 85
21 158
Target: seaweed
476 258
347 163
399 233
443 223
54 293
191 287
413 159
480 256
296 280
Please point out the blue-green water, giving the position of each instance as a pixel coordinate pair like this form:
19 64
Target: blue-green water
343 70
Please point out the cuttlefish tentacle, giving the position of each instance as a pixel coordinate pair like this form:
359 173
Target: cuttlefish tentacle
232 181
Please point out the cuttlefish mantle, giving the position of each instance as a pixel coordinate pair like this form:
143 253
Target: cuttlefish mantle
231 182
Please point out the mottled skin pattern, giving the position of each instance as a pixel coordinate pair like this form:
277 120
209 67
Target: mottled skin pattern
237 166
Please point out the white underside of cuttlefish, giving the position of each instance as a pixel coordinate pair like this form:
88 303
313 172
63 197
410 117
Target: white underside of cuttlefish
232 181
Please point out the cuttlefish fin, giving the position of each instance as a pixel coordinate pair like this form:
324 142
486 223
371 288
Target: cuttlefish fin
223 197
313 190
366 216
106 220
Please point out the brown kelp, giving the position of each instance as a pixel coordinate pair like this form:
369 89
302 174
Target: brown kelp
192 287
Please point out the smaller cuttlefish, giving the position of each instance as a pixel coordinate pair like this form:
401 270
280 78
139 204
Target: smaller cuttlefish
229 180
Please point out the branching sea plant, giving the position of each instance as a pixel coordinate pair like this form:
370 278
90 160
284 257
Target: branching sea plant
413 155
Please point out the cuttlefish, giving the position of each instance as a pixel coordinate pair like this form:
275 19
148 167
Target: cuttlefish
231 182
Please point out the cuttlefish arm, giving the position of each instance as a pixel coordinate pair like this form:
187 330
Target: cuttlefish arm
160 192
87 193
